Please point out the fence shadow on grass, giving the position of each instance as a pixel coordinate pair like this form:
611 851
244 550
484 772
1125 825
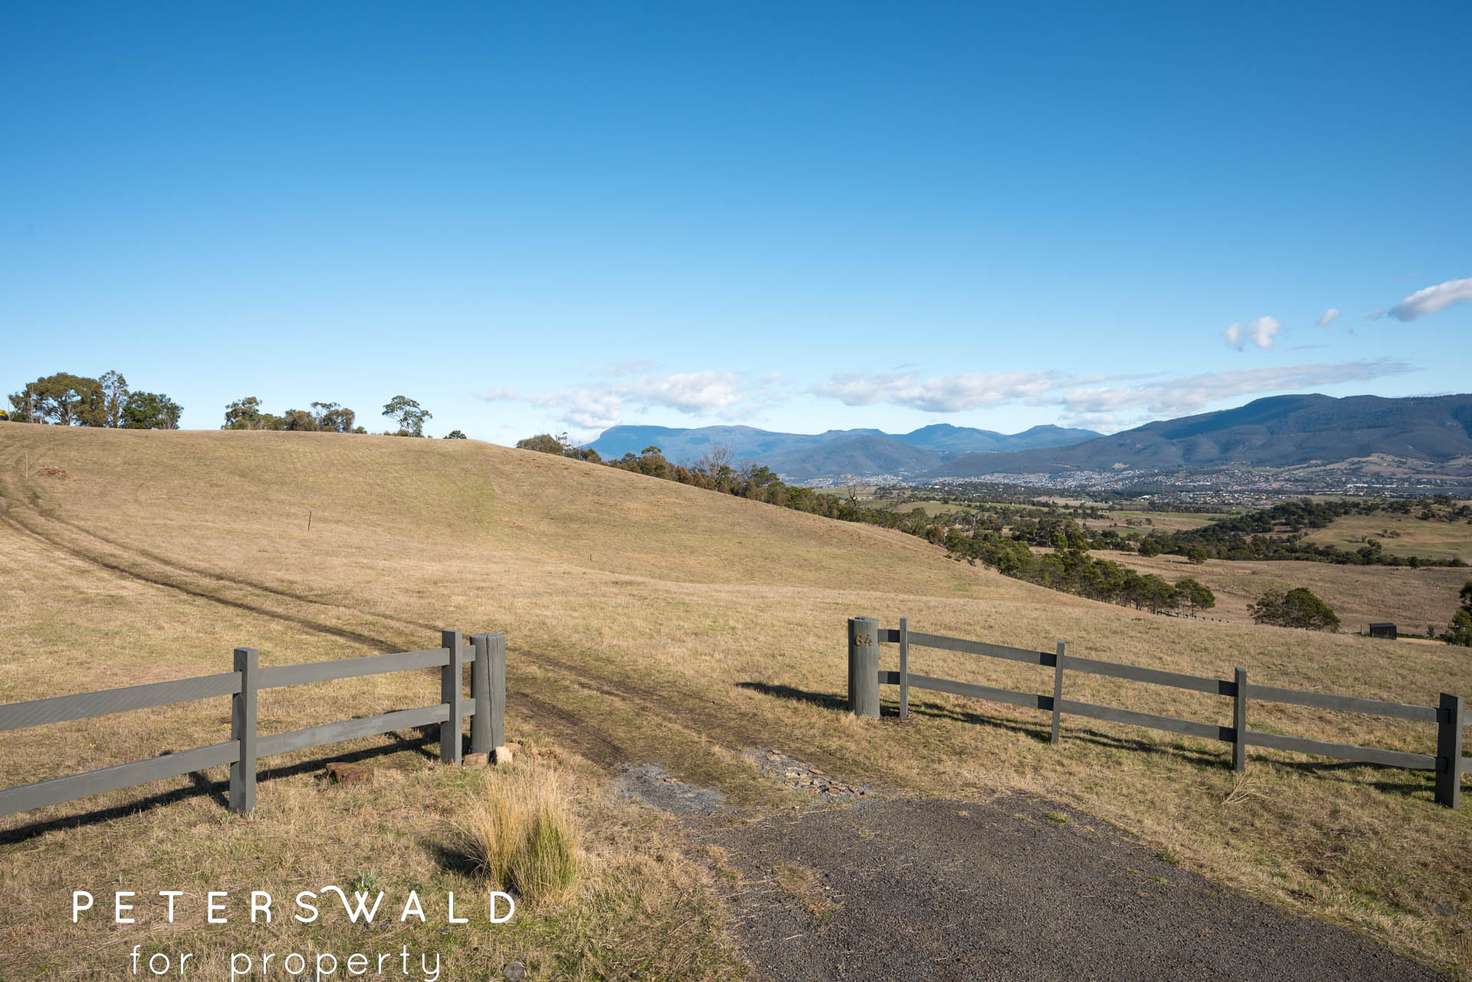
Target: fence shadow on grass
417 741
1040 733
823 700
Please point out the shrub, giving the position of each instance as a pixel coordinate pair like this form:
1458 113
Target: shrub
1195 594
1298 607
1460 631
522 836
149 411
560 444
542 443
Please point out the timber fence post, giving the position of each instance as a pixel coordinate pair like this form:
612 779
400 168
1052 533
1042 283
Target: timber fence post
496 665
863 666
1450 718
243 732
480 694
1239 720
904 668
1055 736
450 686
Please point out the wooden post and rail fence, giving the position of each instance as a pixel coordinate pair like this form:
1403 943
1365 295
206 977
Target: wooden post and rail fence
486 709
865 676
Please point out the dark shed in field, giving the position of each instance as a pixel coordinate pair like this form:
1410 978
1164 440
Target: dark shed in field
1383 630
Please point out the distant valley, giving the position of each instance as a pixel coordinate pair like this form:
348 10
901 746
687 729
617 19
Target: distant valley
1303 440
1312 438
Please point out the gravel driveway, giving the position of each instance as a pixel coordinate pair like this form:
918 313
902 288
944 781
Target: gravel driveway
1009 889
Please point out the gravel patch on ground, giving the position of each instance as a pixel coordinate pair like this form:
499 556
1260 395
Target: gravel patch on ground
803 777
1011 889
655 786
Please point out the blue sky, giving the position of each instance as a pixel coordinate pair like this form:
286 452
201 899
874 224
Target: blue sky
543 216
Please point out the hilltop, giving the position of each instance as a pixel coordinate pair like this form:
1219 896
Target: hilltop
650 625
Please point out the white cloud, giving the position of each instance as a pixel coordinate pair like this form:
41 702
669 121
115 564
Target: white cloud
688 392
1261 332
1100 402
1193 393
1328 316
944 394
1432 299
588 410
597 407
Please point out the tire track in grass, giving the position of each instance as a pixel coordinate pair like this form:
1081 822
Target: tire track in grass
691 713
575 731
591 741
282 592
112 566
675 709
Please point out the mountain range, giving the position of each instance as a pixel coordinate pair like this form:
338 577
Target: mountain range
835 453
1279 431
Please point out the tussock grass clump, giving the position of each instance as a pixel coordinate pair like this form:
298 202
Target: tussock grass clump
522 835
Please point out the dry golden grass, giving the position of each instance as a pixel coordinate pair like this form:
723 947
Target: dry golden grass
1360 595
647 621
521 834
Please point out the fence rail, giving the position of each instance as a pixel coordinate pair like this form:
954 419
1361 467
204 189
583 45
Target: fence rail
865 677
486 711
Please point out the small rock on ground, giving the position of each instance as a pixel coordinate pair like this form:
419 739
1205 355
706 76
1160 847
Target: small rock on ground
804 777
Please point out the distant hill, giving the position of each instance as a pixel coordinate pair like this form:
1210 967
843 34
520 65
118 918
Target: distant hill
836 453
1282 431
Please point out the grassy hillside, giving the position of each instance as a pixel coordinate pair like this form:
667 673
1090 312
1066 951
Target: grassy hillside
1360 595
1400 535
647 621
1151 521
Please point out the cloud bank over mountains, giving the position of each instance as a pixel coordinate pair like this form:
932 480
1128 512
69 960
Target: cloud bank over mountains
599 406
1096 401
1099 401
946 394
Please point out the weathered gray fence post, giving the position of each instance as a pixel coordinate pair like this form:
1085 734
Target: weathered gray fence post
904 668
1058 692
480 694
863 666
450 686
1239 721
243 732
488 687
1450 718
498 690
